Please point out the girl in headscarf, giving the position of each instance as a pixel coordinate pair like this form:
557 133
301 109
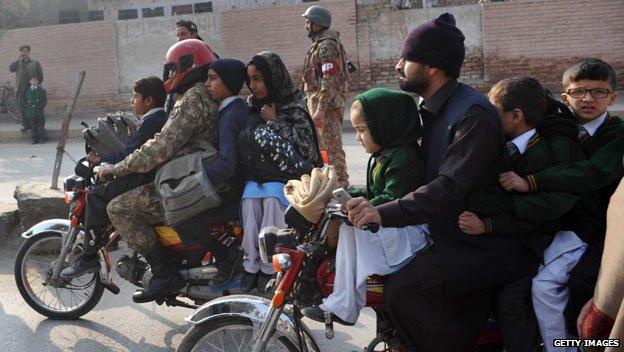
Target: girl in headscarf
280 144
388 127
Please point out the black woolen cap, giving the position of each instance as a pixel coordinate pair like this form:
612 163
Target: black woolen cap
438 43
231 71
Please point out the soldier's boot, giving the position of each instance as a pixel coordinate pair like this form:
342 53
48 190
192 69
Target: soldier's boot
166 280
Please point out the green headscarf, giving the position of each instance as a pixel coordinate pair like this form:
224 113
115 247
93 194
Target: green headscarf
392 117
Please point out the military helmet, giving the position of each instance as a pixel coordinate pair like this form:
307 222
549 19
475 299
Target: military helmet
318 15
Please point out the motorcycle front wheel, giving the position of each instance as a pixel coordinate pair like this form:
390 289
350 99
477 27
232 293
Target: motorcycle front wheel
228 334
66 299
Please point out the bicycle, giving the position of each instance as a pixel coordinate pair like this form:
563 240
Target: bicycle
9 104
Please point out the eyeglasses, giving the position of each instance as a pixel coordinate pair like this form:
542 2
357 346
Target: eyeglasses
580 93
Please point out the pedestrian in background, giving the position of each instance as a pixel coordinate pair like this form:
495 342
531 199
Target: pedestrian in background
36 99
24 69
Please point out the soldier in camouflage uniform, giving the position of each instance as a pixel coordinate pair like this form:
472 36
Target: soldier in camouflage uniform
325 77
193 119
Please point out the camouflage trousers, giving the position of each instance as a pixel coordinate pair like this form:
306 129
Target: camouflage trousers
134 215
331 141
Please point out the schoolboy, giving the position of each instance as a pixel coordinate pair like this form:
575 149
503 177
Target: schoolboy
521 103
148 99
589 89
225 80
35 101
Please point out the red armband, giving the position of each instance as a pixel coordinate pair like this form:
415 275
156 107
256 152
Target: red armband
329 68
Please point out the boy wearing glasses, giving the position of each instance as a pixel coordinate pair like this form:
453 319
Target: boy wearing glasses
570 268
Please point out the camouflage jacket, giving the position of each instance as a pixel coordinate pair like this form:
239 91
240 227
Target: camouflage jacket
325 73
194 118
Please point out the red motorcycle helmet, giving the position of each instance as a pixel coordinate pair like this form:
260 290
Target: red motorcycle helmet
182 59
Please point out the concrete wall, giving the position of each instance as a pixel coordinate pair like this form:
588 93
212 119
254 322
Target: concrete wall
142 44
48 10
110 7
542 37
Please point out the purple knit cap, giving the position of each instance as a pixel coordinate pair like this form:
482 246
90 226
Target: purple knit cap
438 43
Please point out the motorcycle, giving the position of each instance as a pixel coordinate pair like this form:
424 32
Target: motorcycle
305 275
53 245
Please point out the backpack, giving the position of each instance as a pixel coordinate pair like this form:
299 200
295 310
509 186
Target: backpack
265 156
111 134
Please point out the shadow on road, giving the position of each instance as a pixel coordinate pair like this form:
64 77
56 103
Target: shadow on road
91 336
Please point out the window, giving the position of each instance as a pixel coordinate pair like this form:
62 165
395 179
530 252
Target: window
203 7
155 12
69 17
181 9
96 15
128 14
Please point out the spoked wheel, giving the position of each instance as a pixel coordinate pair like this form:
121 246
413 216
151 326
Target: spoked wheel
12 106
228 334
64 299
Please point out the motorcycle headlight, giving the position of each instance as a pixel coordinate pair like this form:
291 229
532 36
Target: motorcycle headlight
272 237
266 239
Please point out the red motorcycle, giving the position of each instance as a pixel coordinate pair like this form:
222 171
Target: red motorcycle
305 275
53 245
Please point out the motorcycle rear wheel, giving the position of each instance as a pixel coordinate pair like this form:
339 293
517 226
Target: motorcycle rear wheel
379 345
33 264
231 334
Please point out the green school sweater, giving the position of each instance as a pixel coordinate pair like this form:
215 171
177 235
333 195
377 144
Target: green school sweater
534 214
391 175
600 173
36 100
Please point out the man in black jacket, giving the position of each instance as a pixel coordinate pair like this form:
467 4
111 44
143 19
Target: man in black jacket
442 299
148 99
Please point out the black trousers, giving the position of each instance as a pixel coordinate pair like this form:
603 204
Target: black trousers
37 131
516 316
426 317
96 217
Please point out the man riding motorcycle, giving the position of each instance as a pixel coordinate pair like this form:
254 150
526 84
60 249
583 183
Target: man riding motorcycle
192 121
147 100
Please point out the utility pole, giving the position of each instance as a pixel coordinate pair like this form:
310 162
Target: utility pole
60 149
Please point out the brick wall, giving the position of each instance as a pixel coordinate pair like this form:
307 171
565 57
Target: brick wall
63 50
540 38
503 39
281 29
384 28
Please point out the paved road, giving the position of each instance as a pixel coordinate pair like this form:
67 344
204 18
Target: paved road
117 324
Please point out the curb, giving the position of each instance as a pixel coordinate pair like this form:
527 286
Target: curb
51 135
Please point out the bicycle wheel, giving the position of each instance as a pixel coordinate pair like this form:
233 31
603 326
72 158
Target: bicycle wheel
12 106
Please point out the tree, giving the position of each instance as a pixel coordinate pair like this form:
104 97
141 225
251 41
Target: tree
15 14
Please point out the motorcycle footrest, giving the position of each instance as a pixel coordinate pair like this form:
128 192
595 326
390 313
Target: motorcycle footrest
112 288
174 302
